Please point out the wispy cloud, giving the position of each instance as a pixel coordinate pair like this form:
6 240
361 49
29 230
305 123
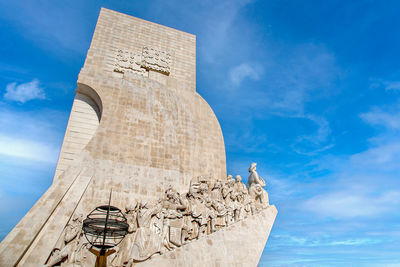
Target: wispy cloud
384 153
380 158
393 85
289 77
28 149
31 135
244 71
217 24
287 85
318 242
389 119
362 185
29 146
316 142
351 204
55 31
385 84
24 92
357 178
245 141
307 72
354 242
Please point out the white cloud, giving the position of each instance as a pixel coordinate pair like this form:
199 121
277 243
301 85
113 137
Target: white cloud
24 92
290 81
384 155
33 136
28 149
285 239
310 144
290 76
217 27
351 204
354 242
381 158
307 72
245 71
54 26
387 119
384 84
364 184
392 85
361 185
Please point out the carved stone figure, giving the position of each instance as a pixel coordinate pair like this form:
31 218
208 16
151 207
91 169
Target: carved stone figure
131 211
242 199
147 241
219 206
131 217
175 227
200 207
240 189
228 193
255 186
72 236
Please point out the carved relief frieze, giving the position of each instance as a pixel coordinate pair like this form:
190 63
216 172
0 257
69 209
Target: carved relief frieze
157 60
128 62
174 219
149 59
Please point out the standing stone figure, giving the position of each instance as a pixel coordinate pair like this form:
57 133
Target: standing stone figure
218 204
241 196
175 228
147 242
200 206
228 193
72 236
122 251
255 186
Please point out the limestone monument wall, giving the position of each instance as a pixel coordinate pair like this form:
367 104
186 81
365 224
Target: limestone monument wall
137 126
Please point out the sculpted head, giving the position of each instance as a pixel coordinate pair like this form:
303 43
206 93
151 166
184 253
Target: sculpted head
131 207
218 184
144 205
203 187
171 194
238 178
252 167
204 180
77 217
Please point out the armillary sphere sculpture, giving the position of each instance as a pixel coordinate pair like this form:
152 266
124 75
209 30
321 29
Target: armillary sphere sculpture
104 228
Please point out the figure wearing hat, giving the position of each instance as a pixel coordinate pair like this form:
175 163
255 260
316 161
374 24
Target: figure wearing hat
255 185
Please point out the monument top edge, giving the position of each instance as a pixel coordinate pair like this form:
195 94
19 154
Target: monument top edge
104 10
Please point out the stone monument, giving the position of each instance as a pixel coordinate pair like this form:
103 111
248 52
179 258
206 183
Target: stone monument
139 128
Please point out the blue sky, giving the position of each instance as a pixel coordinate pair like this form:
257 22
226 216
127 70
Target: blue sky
310 90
